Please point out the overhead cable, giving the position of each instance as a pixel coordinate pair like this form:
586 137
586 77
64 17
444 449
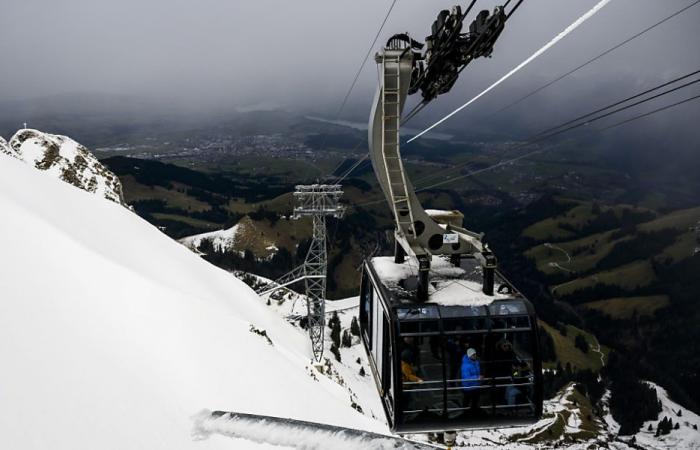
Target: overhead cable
502 163
357 75
610 50
587 118
556 133
546 47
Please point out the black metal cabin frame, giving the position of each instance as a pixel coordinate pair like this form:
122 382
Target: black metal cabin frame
389 326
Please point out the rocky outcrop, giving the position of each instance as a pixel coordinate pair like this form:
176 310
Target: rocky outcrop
66 159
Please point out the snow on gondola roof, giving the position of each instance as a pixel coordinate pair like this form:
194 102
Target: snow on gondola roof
449 285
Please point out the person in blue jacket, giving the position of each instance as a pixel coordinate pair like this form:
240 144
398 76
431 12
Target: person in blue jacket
471 379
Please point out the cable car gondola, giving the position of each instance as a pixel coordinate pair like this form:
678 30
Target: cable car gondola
430 340
446 349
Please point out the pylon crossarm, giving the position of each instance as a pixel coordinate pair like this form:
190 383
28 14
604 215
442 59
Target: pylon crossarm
284 285
284 279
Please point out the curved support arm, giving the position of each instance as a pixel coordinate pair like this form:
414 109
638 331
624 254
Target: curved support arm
416 232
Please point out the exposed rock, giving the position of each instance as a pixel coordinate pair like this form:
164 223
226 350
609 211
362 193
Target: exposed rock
65 159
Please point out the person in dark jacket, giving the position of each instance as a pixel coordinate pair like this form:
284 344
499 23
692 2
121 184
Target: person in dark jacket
508 368
471 379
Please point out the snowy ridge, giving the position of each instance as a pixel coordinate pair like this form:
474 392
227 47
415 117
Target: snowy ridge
221 240
120 335
65 159
686 436
239 238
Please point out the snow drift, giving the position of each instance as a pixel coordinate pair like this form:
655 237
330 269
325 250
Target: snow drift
113 336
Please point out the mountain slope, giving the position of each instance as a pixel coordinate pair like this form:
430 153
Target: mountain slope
569 420
115 336
686 436
239 238
67 160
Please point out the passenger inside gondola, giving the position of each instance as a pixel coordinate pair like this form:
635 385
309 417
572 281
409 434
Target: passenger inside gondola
408 369
471 380
509 371
463 366
423 384
463 356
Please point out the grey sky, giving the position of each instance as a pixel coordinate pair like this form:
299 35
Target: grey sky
302 54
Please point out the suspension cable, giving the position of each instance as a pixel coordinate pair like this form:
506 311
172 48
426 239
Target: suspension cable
550 130
663 108
625 101
502 163
517 68
419 107
357 75
550 135
364 60
351 169
534 152
610 50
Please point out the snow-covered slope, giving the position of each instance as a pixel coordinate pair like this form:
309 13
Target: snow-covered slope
221 240
686 436
67 160
239 238
113 336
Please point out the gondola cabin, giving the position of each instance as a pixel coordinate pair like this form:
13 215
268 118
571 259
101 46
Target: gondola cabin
460 360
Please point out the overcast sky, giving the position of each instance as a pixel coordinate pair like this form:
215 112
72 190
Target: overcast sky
302 54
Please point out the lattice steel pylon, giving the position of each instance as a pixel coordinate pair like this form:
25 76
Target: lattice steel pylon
318 201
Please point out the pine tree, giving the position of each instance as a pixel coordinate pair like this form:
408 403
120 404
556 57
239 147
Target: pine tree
335 351
581 343
665 426
362 371
335 334
347 339
632 402
355 327
334 318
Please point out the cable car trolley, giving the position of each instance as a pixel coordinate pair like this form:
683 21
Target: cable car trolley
417 350
452 345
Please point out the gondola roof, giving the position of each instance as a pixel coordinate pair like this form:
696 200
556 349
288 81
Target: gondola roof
449 285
